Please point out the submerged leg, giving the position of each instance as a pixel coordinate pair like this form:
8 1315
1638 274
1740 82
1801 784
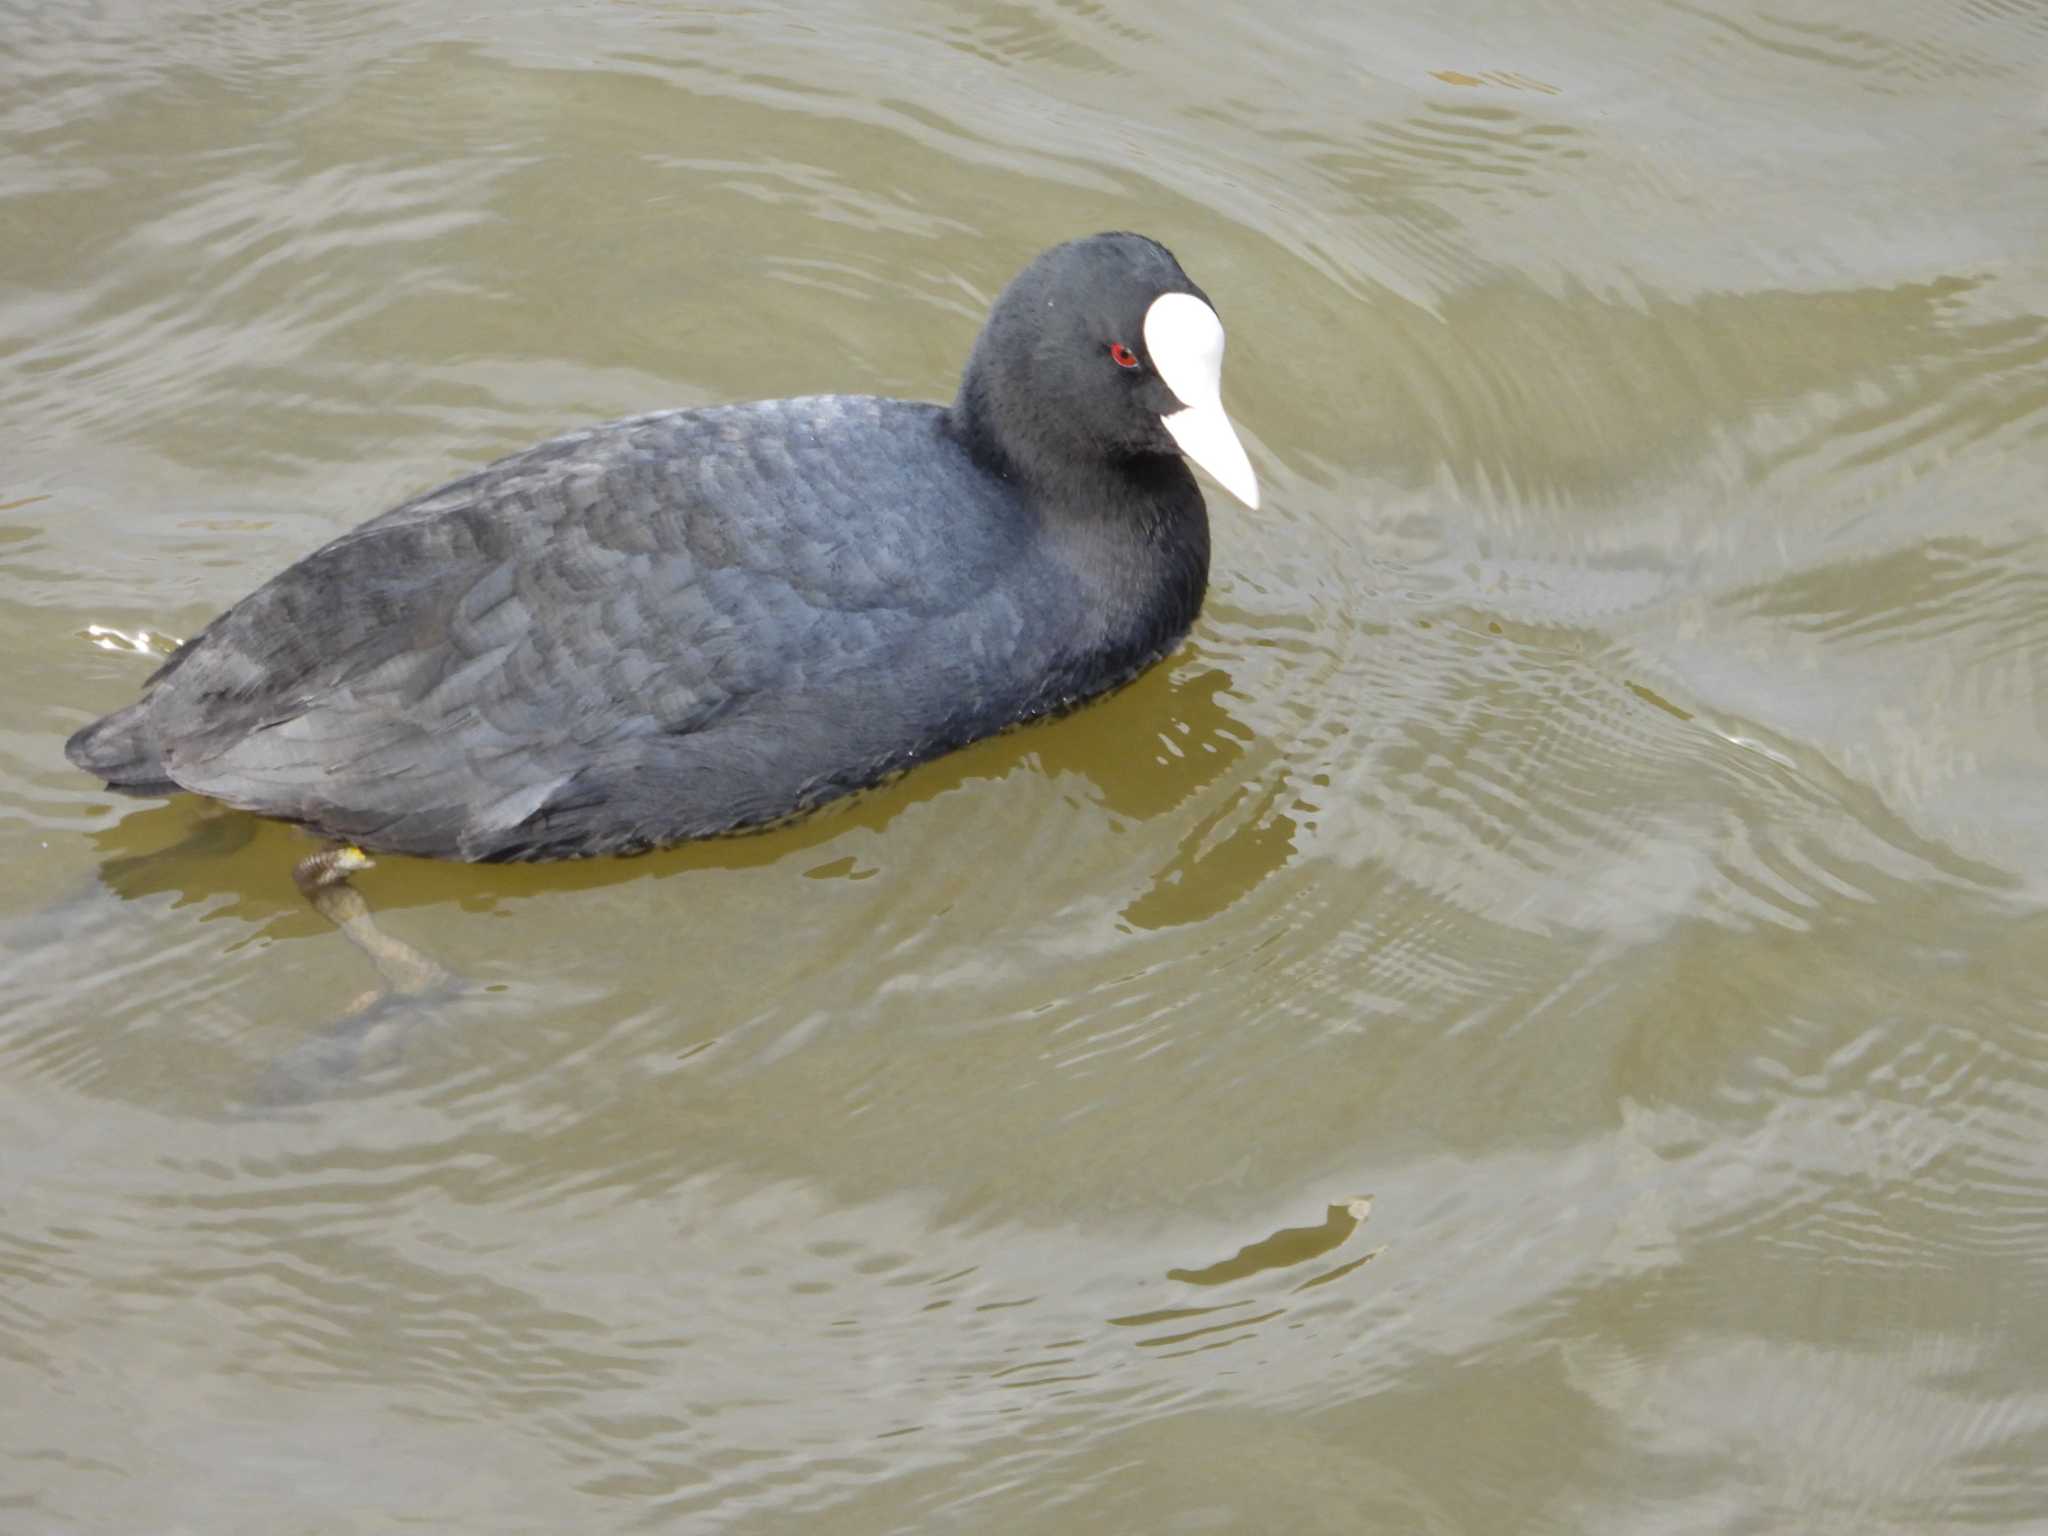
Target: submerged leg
370 1032
322 879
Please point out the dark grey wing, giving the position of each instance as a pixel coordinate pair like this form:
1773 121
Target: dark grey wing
433 680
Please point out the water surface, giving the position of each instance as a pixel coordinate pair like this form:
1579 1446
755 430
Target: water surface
1600 815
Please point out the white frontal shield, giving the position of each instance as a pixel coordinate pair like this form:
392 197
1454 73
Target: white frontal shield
1184 340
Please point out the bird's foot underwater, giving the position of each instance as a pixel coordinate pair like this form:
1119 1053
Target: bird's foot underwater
366 1038
323 879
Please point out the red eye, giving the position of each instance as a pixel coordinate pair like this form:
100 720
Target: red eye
1122 355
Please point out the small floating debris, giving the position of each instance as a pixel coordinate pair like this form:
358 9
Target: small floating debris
139 643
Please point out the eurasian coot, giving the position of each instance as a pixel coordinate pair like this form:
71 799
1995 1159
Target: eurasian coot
697 621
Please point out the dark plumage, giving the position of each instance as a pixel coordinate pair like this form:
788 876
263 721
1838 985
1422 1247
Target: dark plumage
696 621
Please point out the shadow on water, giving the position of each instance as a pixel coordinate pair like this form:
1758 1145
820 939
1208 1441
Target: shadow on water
1289 1247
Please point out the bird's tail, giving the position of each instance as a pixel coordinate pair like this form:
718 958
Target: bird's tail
123 749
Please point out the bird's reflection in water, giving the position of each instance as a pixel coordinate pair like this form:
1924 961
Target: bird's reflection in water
1147 750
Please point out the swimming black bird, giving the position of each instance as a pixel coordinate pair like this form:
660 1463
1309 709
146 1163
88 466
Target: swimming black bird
697 621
